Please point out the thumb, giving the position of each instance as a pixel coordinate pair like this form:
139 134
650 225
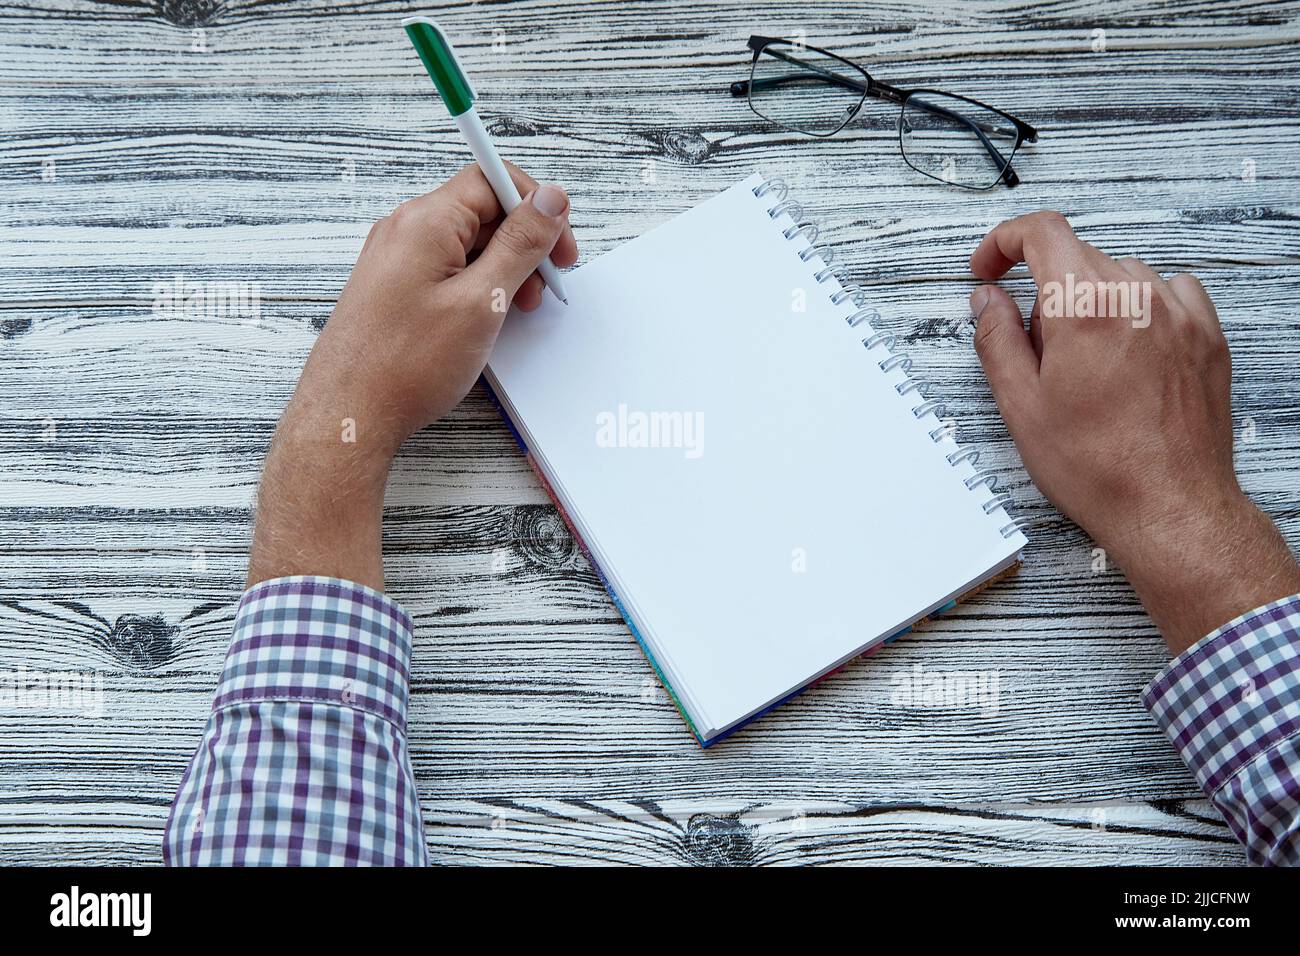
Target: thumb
522 241
1008 357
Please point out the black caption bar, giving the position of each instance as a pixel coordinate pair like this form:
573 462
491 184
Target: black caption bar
333 906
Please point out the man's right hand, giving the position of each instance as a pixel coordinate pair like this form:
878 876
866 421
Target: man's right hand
1118 398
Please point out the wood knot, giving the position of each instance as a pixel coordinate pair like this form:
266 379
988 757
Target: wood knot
190 13
143 643
719 841
683 146
543 539
12 328
509 126
1223 216
937 328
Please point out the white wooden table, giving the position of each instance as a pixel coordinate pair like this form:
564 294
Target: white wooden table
256 142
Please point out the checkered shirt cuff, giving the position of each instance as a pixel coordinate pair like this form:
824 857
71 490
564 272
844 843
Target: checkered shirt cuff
1230 704
324 640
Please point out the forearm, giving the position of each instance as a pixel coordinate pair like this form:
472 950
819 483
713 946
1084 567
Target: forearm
320 502
1201 568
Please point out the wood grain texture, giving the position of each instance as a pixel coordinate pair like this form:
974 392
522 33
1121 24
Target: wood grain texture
259 150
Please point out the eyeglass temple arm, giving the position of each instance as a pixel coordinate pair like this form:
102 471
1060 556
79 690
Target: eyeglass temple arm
1008 174
818 73
886 92
741 87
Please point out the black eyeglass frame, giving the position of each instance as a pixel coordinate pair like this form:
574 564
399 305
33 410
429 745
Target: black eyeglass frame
870 86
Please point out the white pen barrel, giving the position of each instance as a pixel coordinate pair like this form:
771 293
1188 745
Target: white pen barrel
498 177
476 135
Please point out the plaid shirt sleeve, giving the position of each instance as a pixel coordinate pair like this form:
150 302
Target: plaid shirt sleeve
1231 706
304 759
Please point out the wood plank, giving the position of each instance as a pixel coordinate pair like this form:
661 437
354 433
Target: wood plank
723 833
524 676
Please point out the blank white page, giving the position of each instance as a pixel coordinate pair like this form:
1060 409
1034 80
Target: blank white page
818 517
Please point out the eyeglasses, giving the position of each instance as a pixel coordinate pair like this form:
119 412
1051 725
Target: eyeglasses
949 138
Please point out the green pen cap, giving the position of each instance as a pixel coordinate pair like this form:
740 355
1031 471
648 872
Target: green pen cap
440 60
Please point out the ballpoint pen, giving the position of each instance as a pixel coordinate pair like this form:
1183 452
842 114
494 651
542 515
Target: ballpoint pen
453 85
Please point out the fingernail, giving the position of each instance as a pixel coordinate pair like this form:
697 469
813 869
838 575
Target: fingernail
550 200
978 299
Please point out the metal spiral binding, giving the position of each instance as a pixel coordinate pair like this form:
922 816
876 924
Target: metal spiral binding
850 292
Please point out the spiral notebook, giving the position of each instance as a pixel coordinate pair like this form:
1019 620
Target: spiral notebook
763 489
